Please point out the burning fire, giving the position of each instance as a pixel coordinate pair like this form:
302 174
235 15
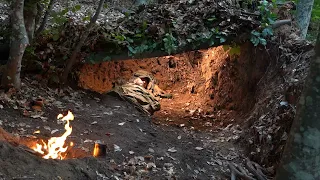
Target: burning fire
55 149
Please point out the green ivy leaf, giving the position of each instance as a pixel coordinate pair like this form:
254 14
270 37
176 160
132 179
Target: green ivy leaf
271 21
55 37
63 12
222 39
129 40
144 25
263 41
86 18
254 40
256 33
77 7
107 58
133 51
266 32
154 45
211 42
138 35
120 37
212 18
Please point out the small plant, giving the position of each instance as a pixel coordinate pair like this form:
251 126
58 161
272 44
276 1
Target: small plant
170 43
267 20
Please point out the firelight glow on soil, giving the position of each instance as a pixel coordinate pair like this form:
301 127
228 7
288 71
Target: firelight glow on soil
54 149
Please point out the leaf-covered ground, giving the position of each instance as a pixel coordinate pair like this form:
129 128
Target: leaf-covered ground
135 147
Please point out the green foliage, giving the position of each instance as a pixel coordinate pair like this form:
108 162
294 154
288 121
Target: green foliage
97 57
146 46
170 43
256 38
233 49
267 21
30 50
212 37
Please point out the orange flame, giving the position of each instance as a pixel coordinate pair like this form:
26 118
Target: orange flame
54 149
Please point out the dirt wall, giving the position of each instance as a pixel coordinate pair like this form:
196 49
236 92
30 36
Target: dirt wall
205 80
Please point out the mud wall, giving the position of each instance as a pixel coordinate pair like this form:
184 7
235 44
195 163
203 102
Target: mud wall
211 78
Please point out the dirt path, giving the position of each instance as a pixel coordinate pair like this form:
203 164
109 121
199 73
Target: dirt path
144 150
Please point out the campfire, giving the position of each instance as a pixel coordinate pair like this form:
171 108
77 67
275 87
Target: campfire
55 148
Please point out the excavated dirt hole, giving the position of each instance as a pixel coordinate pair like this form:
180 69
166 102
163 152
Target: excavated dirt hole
209 87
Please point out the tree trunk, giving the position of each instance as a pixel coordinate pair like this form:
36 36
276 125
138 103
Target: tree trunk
301 156
30 13
19 41
304 9
83 38
46 16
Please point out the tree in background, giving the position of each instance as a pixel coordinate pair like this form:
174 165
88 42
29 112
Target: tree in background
24 17
19 42
304 10
77 49
301 157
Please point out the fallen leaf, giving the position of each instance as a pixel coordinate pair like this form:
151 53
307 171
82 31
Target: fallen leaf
108 113
199 148
131 152
87 141
22 124
173 150
47 128
117 148
121 124
26 113
37 108
151 150
94 122
36 116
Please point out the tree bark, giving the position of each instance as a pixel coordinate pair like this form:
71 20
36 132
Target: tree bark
30 13
46 16
304 9
301 157
83 38
19 41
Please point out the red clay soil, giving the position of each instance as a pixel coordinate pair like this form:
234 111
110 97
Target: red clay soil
207 84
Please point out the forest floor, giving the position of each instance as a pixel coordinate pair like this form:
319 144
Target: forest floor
136 147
